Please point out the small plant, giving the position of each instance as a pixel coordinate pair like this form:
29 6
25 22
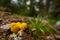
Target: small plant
40 29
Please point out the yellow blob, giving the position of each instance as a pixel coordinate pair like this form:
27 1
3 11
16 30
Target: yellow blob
12 24
23 26
14 27
18 23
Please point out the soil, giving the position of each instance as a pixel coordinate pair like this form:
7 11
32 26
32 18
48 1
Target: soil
7 19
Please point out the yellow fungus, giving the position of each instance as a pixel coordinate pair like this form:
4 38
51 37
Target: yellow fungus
23 26
14 27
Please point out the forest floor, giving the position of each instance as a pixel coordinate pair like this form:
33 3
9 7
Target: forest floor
7 19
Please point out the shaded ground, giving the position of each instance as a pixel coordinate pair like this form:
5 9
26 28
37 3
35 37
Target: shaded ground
8 18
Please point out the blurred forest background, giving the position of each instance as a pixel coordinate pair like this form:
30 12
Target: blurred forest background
44 8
